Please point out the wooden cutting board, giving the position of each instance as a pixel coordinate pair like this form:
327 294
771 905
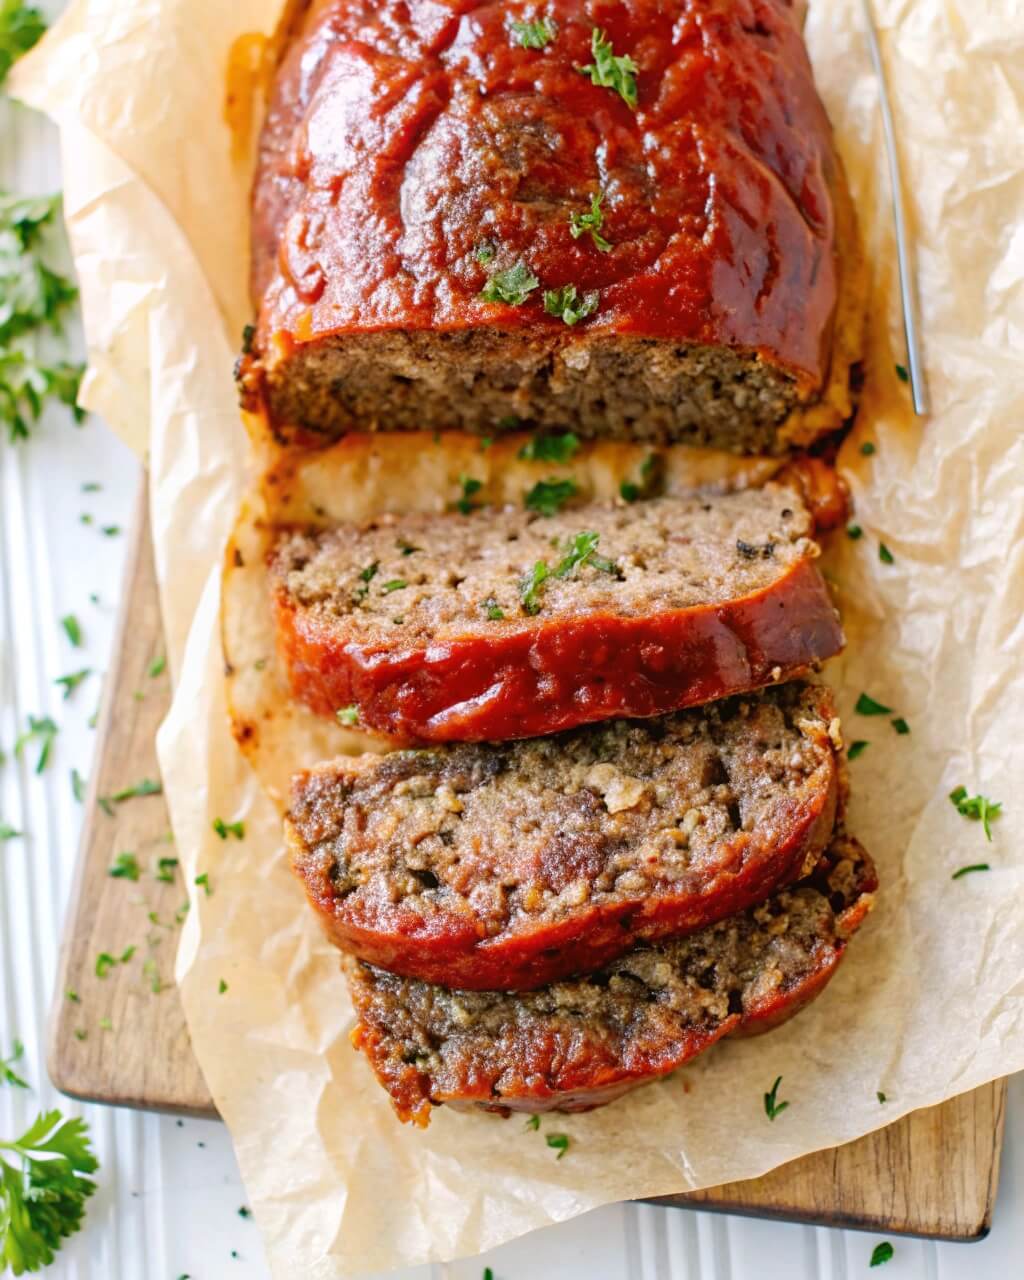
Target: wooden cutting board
933 1173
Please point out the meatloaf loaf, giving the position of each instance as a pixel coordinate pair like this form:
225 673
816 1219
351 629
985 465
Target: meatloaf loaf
579 1044
506 624
508 866
623 218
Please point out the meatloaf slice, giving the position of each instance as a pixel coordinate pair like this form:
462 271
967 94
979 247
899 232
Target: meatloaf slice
511 865
459 225
506 624
579 1044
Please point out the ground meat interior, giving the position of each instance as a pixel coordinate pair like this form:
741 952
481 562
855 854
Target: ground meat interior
433 577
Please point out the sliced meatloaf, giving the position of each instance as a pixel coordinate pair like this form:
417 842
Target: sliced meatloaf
510 865
507 624
579 1044
625 218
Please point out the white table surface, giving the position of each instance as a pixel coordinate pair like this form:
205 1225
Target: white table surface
169 1191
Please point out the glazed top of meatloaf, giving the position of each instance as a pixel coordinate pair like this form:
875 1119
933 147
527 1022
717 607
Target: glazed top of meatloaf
426 579
414 150
645 1014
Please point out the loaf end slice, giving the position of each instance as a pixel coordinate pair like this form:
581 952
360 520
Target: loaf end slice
579 1044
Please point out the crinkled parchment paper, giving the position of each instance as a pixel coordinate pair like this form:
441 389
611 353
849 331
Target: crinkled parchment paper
931 999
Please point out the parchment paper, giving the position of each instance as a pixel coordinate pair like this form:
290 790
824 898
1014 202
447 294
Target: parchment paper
930 1000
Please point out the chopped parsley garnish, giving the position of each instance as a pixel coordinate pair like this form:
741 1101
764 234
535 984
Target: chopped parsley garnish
854 531
42 730
245 1212
881 1096
348 715
126 867
7 1073
900 725
535 35
772 1108
104 963
165 868
867 706
91 486
72 996
157 667
966 871
881 1253
610 71
8 832
81 1033
72 629
558 1142
857 749
366 576
147 787
485 253
977 808
248 334
470 486
225 829
78 786
396 584
151 972
557 448
628 491
406 548
511 286
568 305
105 1024
222 986
72 680
902 374
580 550
532 1123
203 882
43 1187
650 478
127 954
111 530
531 585
21 26
867 448
547 497
494 611
885 555
581 223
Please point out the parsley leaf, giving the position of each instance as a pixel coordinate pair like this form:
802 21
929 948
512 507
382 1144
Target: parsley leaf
104 963
530 586
902 374
158 666
203 882
579 551
558 1142
557 448
857 748
547 497
78 785
900 725
147 787
165 870
70 682
225 829
772 1108
563 303
43 1189
126 867
609 71
581 223
532 1123
41 730
348 715
222 986
885 555
7 832
867 706
535 35
396 584
366 576
881 1253
867 448
512 286
470 486
72 629
854 531
881 1096
494 611
977 808
7 1072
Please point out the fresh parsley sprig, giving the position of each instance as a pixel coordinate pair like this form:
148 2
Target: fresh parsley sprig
44 1184
7 1073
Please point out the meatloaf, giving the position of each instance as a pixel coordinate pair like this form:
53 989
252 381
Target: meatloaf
627 219
579 1044
509 623
510 865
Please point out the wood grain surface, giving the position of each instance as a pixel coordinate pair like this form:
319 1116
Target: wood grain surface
933 1173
